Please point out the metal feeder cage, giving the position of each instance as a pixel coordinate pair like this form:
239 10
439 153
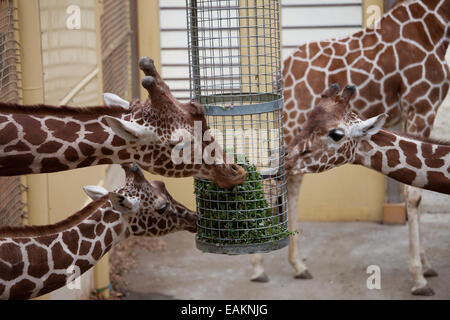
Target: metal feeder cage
235 73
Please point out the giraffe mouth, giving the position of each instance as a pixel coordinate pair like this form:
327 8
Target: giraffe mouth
229 175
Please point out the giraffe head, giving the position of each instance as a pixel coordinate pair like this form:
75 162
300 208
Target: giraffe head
162 126
148 206
330 135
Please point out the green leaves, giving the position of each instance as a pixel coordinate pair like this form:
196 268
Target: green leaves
240 215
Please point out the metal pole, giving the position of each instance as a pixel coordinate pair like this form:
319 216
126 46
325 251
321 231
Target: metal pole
195 50
135 81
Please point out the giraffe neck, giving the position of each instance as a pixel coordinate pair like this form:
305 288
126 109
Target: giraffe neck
33 143
38 260
418 163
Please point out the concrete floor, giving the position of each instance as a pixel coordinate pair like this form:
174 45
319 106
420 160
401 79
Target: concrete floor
337 256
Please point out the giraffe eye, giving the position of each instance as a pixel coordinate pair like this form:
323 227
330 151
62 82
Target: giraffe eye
336 134
162 209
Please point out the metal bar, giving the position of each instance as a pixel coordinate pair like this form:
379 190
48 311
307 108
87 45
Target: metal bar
135 82
194 49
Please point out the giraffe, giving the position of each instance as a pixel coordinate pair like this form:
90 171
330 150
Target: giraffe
44 139
38 260
333 135
399 68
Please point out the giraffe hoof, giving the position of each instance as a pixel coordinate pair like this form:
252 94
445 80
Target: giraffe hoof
423 291
147 65
305 275
263 278
429 273
147 82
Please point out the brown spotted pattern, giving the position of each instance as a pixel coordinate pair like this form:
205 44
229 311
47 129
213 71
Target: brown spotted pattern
398 68
44 139
412 161
38 260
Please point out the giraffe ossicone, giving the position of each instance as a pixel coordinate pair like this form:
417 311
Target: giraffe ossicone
37 260
407 159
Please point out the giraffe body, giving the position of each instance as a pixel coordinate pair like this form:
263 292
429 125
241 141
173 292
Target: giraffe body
38 260
399 68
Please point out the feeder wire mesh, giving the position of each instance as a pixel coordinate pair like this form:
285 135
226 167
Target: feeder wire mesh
235 73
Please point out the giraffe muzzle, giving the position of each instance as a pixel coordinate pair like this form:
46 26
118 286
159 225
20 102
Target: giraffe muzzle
229 175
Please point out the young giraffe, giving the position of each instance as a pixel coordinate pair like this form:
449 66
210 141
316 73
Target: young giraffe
399 69
333 135
43 139
38 260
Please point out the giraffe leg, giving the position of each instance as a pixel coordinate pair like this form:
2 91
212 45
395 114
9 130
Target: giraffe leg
428 270
258 274
293 188
421 286
420 124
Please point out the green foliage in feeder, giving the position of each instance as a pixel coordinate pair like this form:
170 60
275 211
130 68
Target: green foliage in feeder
240 215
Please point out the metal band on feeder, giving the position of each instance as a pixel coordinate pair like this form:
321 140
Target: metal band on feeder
235 73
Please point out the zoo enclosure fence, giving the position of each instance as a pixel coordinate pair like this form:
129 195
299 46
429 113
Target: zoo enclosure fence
11 189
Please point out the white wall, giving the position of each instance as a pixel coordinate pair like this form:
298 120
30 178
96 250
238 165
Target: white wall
320 22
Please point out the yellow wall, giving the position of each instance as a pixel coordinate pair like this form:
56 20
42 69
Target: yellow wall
68 56
348 193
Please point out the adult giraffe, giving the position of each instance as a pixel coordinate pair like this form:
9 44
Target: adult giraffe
43 139
38 260
399 68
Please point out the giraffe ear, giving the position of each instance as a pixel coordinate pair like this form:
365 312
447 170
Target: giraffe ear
368 127
131 131
95 192
123 203
111 99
